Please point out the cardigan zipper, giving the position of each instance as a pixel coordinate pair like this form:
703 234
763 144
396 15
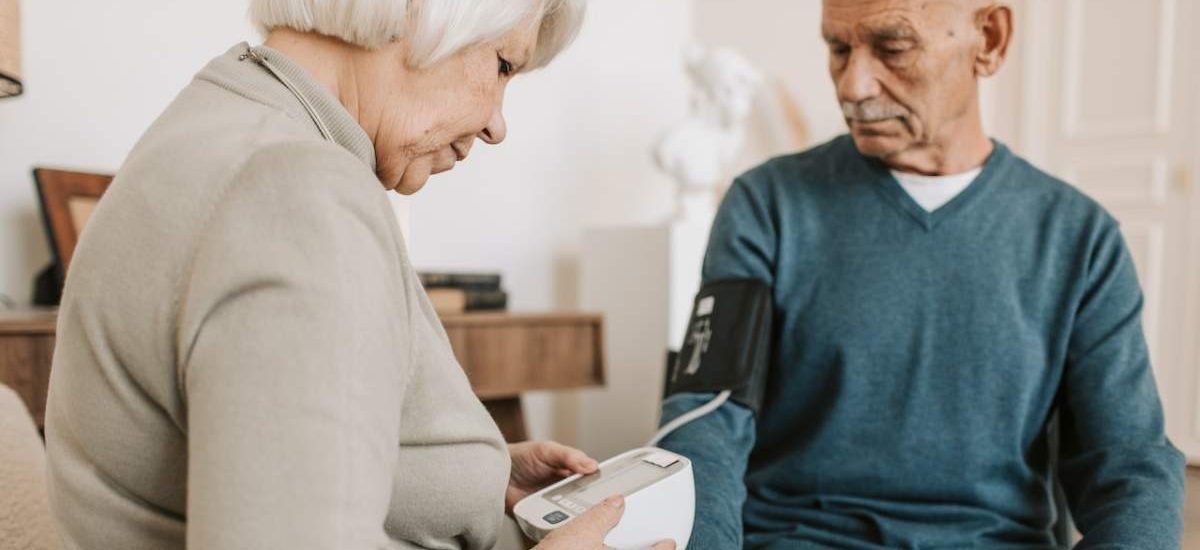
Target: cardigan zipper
265 63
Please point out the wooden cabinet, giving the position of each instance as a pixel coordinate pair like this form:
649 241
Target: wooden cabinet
503 355
506 354
26 346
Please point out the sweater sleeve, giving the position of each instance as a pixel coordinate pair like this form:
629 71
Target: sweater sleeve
1123 478
741 245
743 240
719 445
293 393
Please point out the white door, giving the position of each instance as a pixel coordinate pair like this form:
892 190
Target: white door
1108 96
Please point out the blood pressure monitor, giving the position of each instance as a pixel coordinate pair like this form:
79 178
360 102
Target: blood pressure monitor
660 499
727 352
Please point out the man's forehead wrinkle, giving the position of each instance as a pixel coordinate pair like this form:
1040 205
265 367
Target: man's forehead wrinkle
889 26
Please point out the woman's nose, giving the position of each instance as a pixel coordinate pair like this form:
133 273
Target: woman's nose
495 130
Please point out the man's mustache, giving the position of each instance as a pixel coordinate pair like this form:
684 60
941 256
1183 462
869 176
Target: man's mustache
872 110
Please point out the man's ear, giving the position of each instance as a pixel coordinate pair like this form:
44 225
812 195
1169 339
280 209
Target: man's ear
994 23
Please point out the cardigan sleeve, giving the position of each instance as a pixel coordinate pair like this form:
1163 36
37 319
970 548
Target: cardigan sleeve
293 397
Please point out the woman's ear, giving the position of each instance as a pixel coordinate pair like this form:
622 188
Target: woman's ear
995 26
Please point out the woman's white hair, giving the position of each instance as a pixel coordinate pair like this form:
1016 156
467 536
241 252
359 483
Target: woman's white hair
435 29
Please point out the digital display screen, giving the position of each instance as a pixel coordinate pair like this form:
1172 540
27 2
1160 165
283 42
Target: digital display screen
624 478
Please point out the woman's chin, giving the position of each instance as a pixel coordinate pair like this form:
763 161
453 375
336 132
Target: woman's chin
443 168
412 182
409 180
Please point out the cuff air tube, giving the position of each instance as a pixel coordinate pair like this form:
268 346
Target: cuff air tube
728 343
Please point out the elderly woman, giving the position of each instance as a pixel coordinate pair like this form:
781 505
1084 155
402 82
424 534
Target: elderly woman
246 358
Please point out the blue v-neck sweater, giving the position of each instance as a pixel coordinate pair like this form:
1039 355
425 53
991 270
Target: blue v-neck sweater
917 358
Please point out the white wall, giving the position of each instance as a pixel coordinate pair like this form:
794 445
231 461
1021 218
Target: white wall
96 75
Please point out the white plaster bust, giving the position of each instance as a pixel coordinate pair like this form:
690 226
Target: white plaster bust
699 151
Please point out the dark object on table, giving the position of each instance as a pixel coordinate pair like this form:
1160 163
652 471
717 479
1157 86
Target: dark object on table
461 292
48 286
486 300
466 281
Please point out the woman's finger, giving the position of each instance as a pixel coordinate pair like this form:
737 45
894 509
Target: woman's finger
599 520
564 457
581 463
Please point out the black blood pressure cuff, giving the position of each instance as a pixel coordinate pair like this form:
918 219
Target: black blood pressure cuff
728 343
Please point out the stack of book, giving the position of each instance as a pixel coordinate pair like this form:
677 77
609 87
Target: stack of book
462 292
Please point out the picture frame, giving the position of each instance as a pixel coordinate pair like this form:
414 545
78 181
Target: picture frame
67 200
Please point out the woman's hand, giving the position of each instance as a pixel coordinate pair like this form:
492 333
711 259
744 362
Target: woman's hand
537 464
587 532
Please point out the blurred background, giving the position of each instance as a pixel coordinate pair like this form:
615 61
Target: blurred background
1104 93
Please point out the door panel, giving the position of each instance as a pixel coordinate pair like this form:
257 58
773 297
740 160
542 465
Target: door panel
1109 100
1119 66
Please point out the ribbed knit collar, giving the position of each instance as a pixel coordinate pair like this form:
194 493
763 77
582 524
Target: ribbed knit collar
242 75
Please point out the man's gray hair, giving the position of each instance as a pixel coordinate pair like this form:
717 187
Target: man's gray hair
435 29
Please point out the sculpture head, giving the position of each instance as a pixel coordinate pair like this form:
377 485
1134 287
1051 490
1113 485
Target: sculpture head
724 81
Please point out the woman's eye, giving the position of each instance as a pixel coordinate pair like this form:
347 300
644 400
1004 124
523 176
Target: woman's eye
506 68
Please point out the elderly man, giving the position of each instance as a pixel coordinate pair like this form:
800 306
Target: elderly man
937 300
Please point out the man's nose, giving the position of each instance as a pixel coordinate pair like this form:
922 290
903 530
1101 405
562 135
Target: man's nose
495 130
858 82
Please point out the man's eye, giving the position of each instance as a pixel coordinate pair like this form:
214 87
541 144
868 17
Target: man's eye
839 49
506 68
892 50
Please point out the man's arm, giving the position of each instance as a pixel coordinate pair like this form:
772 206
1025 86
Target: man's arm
1123 478
741 245
719 446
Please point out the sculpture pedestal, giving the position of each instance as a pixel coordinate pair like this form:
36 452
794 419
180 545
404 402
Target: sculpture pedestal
643 280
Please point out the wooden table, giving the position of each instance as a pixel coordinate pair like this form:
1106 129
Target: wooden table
26 347
503 354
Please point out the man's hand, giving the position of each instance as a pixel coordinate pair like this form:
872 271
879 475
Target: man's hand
537 464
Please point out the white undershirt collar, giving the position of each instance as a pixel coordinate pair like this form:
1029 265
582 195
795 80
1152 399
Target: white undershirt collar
932 192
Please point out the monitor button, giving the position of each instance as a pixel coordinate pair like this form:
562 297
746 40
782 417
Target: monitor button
555 517
662 460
